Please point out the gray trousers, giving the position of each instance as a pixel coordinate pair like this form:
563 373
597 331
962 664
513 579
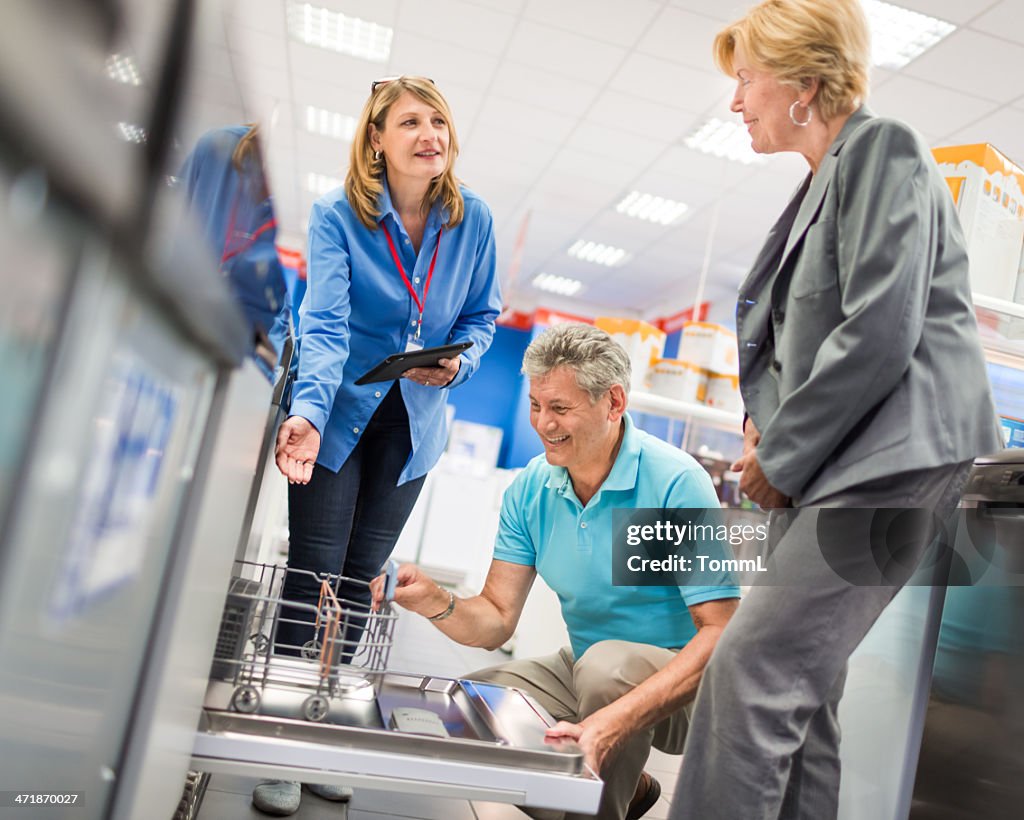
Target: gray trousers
571 690
764 739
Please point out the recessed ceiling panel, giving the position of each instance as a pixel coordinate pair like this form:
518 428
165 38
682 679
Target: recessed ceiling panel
617 23
973 63
457 23
559 52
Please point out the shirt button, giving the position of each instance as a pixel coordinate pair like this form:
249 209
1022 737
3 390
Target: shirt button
407 242
355 429
413 323
376 395
416 280
583 525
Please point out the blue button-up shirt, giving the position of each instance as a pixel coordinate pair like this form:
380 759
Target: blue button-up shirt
544 525
357 310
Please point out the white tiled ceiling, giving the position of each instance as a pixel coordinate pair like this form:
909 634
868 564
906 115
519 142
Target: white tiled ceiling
564 106
974 63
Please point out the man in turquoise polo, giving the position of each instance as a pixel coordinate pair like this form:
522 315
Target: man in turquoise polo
637 652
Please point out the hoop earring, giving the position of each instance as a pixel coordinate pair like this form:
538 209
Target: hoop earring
376 156
794 120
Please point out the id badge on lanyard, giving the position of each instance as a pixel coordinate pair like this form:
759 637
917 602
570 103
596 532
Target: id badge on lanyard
413 342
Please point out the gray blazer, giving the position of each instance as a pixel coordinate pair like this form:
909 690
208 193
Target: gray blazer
859 350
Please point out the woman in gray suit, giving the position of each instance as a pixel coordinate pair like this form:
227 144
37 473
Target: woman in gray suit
865 387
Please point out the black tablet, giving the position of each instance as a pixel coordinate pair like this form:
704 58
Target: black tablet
397 363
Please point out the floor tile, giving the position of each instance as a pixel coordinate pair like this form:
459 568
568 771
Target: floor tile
218 805
659 811
497 811
411 805
234 783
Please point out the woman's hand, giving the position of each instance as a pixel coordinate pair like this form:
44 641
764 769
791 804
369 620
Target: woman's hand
298 443
751 438
439 376
755 483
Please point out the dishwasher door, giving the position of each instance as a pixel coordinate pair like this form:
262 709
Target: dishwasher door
494 749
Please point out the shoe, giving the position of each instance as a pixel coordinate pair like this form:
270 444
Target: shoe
328 792
277 797
648 790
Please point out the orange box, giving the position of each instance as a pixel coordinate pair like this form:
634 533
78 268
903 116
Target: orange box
710 347
724 393
679 380
644 343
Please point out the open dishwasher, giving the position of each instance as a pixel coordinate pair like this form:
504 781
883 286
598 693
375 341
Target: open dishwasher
331 710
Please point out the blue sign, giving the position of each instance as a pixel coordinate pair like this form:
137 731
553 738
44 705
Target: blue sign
1013 432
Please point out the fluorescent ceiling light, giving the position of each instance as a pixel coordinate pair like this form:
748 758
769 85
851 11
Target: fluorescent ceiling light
728 140
131 133
561 285
899 35
332 30
320 184
330 123
655 209
597 253
122 68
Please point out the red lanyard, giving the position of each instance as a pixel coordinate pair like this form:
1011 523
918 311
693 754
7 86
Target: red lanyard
408 285
250 239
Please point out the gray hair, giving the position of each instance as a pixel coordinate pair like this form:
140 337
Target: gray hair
596 359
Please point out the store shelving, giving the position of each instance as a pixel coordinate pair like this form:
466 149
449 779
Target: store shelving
1002 329
685 411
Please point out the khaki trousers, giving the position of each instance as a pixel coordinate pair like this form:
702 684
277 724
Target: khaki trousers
571 690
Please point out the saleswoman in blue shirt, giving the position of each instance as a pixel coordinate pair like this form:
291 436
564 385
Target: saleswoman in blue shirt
401 258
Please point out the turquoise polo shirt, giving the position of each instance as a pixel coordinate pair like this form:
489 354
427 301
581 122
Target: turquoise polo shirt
544 525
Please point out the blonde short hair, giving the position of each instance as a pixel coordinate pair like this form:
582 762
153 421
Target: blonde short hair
801 40
364 180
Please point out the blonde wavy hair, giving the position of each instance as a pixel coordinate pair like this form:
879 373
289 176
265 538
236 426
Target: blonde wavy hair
798 41
364 180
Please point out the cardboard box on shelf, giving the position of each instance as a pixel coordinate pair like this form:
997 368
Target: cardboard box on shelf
724 392
643 343
679 380
988 189
710 347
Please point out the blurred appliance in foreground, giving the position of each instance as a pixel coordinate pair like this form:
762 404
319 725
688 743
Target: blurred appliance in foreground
972 752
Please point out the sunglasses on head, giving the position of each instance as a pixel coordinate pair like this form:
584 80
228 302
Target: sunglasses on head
385 80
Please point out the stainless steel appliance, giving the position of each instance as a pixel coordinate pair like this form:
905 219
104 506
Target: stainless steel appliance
972 753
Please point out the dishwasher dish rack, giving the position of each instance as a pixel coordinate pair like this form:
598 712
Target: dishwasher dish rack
337 714
328 665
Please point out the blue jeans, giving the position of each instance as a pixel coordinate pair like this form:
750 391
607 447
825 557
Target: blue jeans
348 522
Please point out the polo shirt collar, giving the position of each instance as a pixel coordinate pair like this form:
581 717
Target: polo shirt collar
624 470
